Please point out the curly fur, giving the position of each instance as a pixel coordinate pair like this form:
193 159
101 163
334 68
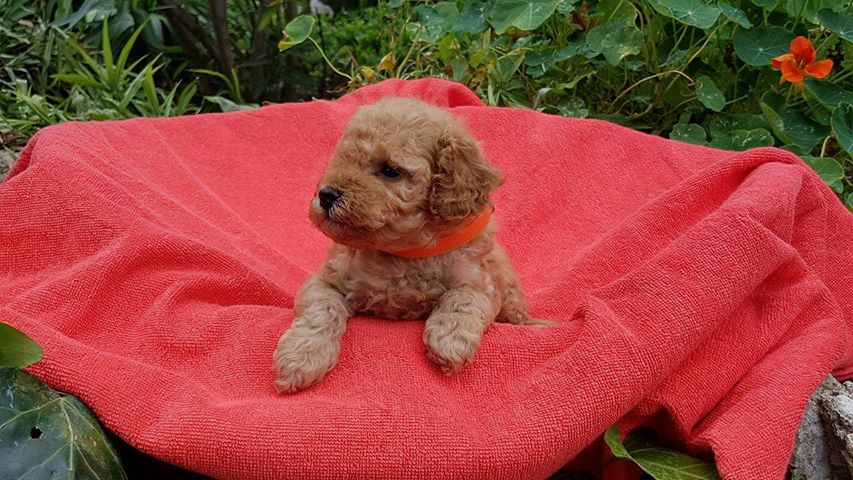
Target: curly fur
444 179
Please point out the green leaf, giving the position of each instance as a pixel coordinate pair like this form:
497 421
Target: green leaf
473 17
791 126
735 14
836 22
566 7
829 170
828 94
551 55
296 31
743 139
107 52
77 79
17 349
46 434
128 46
615 41
721 125
842 125
574 107
757 46
438 20
849 200
507 65
480 49
226 105
661 463
709 94
807 9
695 13
521 14
689 133
615 11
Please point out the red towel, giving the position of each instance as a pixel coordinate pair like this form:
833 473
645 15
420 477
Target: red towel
702 292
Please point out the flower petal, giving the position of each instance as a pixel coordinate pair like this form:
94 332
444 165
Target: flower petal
791 72
803 49
819 69
777 61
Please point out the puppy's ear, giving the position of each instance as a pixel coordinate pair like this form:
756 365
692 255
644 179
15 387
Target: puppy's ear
462 179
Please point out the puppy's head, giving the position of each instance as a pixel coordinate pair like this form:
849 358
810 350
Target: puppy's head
403 173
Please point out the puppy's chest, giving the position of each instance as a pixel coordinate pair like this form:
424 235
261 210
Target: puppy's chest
395 289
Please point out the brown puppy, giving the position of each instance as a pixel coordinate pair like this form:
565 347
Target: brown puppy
406 200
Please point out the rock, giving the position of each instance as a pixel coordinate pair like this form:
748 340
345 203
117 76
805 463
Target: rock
835 401
11 144
6 162
810 458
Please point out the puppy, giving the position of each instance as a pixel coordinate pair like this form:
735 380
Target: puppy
406 201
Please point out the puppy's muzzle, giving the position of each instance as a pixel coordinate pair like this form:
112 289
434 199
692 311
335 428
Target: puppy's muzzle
329 197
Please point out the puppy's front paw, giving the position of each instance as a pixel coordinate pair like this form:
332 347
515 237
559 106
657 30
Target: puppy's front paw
452 340
303 360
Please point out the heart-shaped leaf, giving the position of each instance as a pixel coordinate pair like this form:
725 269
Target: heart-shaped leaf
689 133
661 463
615 41
791 126
296 31
743 139
709 94
45 434
757 46
473 17
829 170
838 23
828 94
437 20
721 125
695 13
17 349
842 125
521 14
735 14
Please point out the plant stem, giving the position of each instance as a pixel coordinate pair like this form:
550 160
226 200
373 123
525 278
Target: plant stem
800 14
331 65
678 41
642 80
408 54
823 147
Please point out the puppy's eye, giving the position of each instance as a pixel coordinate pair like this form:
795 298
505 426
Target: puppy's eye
389 171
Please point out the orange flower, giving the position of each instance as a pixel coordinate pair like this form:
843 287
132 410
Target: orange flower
798 64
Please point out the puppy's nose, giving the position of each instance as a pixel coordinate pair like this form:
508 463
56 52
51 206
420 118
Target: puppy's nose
328 197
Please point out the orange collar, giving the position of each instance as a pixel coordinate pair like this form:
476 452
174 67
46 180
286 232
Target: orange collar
465 233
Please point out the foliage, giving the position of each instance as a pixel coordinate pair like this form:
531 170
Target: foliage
693 70
17 349
659 462
46 434
51 75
